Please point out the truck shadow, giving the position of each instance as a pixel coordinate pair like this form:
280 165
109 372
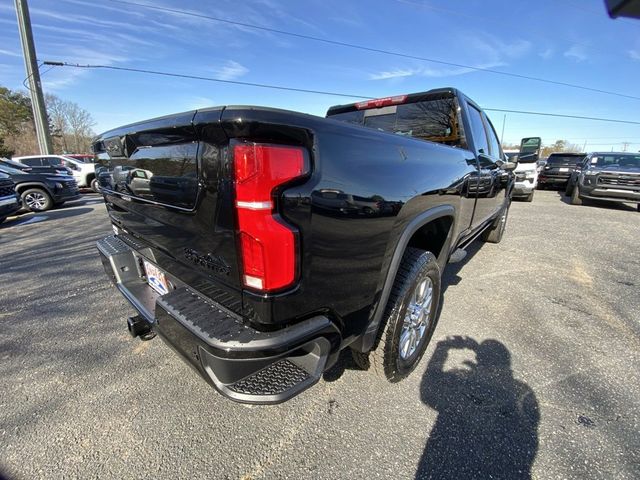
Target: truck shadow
597 203
487 425
28 218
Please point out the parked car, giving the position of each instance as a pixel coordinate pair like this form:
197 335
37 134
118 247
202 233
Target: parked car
84 173
83 157
9 200
287 237
527 170
558 169
54 170
42 191
610 176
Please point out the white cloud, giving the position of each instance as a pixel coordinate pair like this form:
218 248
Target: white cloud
196 103
10 53
547 54
634 54
491 51
577 53
230 71
398 73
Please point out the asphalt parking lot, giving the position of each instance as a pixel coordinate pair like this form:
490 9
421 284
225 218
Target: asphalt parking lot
533 369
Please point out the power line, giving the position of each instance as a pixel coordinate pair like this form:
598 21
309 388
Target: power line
207 79
304 90
371 49
545 114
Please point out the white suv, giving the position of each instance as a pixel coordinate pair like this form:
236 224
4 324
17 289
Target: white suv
83 173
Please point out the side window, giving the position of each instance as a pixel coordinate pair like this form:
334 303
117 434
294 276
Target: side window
477 130
32 162
494 144
51 161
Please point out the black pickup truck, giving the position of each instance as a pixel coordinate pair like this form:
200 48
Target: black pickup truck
259 243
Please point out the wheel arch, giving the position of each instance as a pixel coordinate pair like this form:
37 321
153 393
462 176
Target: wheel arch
21 187
431 230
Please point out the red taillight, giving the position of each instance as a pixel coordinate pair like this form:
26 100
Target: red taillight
267 245
381 102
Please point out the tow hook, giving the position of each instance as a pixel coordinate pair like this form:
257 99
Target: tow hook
139 327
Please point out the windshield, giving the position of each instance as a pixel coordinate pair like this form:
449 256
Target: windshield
434 120
616 159
564 159
10 170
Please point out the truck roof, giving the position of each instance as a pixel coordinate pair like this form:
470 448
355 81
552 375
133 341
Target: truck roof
432 94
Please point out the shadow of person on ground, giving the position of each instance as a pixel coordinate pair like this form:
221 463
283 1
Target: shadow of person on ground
487 421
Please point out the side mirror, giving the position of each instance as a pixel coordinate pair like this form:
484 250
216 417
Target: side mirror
509 166
530 147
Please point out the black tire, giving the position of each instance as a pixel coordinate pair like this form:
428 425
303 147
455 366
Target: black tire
94 185
418 267
529 198
494 233
569 190
637 208
36 200
575 196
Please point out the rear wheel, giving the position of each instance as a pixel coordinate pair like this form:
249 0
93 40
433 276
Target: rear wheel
409 320
36 200
575 196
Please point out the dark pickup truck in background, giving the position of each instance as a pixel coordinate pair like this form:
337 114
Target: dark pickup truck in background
559 168
608 176
259 243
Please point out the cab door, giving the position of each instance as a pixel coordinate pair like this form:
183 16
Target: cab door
492 179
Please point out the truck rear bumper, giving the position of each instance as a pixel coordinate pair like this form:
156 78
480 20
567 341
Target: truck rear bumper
242 363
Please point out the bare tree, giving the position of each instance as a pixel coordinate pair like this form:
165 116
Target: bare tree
71 125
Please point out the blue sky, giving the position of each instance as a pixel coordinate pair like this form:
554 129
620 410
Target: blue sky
571 41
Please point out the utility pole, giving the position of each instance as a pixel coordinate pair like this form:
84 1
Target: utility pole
33 75
504 120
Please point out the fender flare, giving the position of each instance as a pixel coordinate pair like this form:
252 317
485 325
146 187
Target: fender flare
367 340
26 185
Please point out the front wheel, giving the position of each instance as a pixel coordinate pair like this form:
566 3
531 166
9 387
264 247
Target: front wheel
494 233
569 190
94 185
410 318
36 200
575 196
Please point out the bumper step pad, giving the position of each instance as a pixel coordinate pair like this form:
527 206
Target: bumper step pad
276 379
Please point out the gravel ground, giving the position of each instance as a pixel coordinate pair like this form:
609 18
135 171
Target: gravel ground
533 369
